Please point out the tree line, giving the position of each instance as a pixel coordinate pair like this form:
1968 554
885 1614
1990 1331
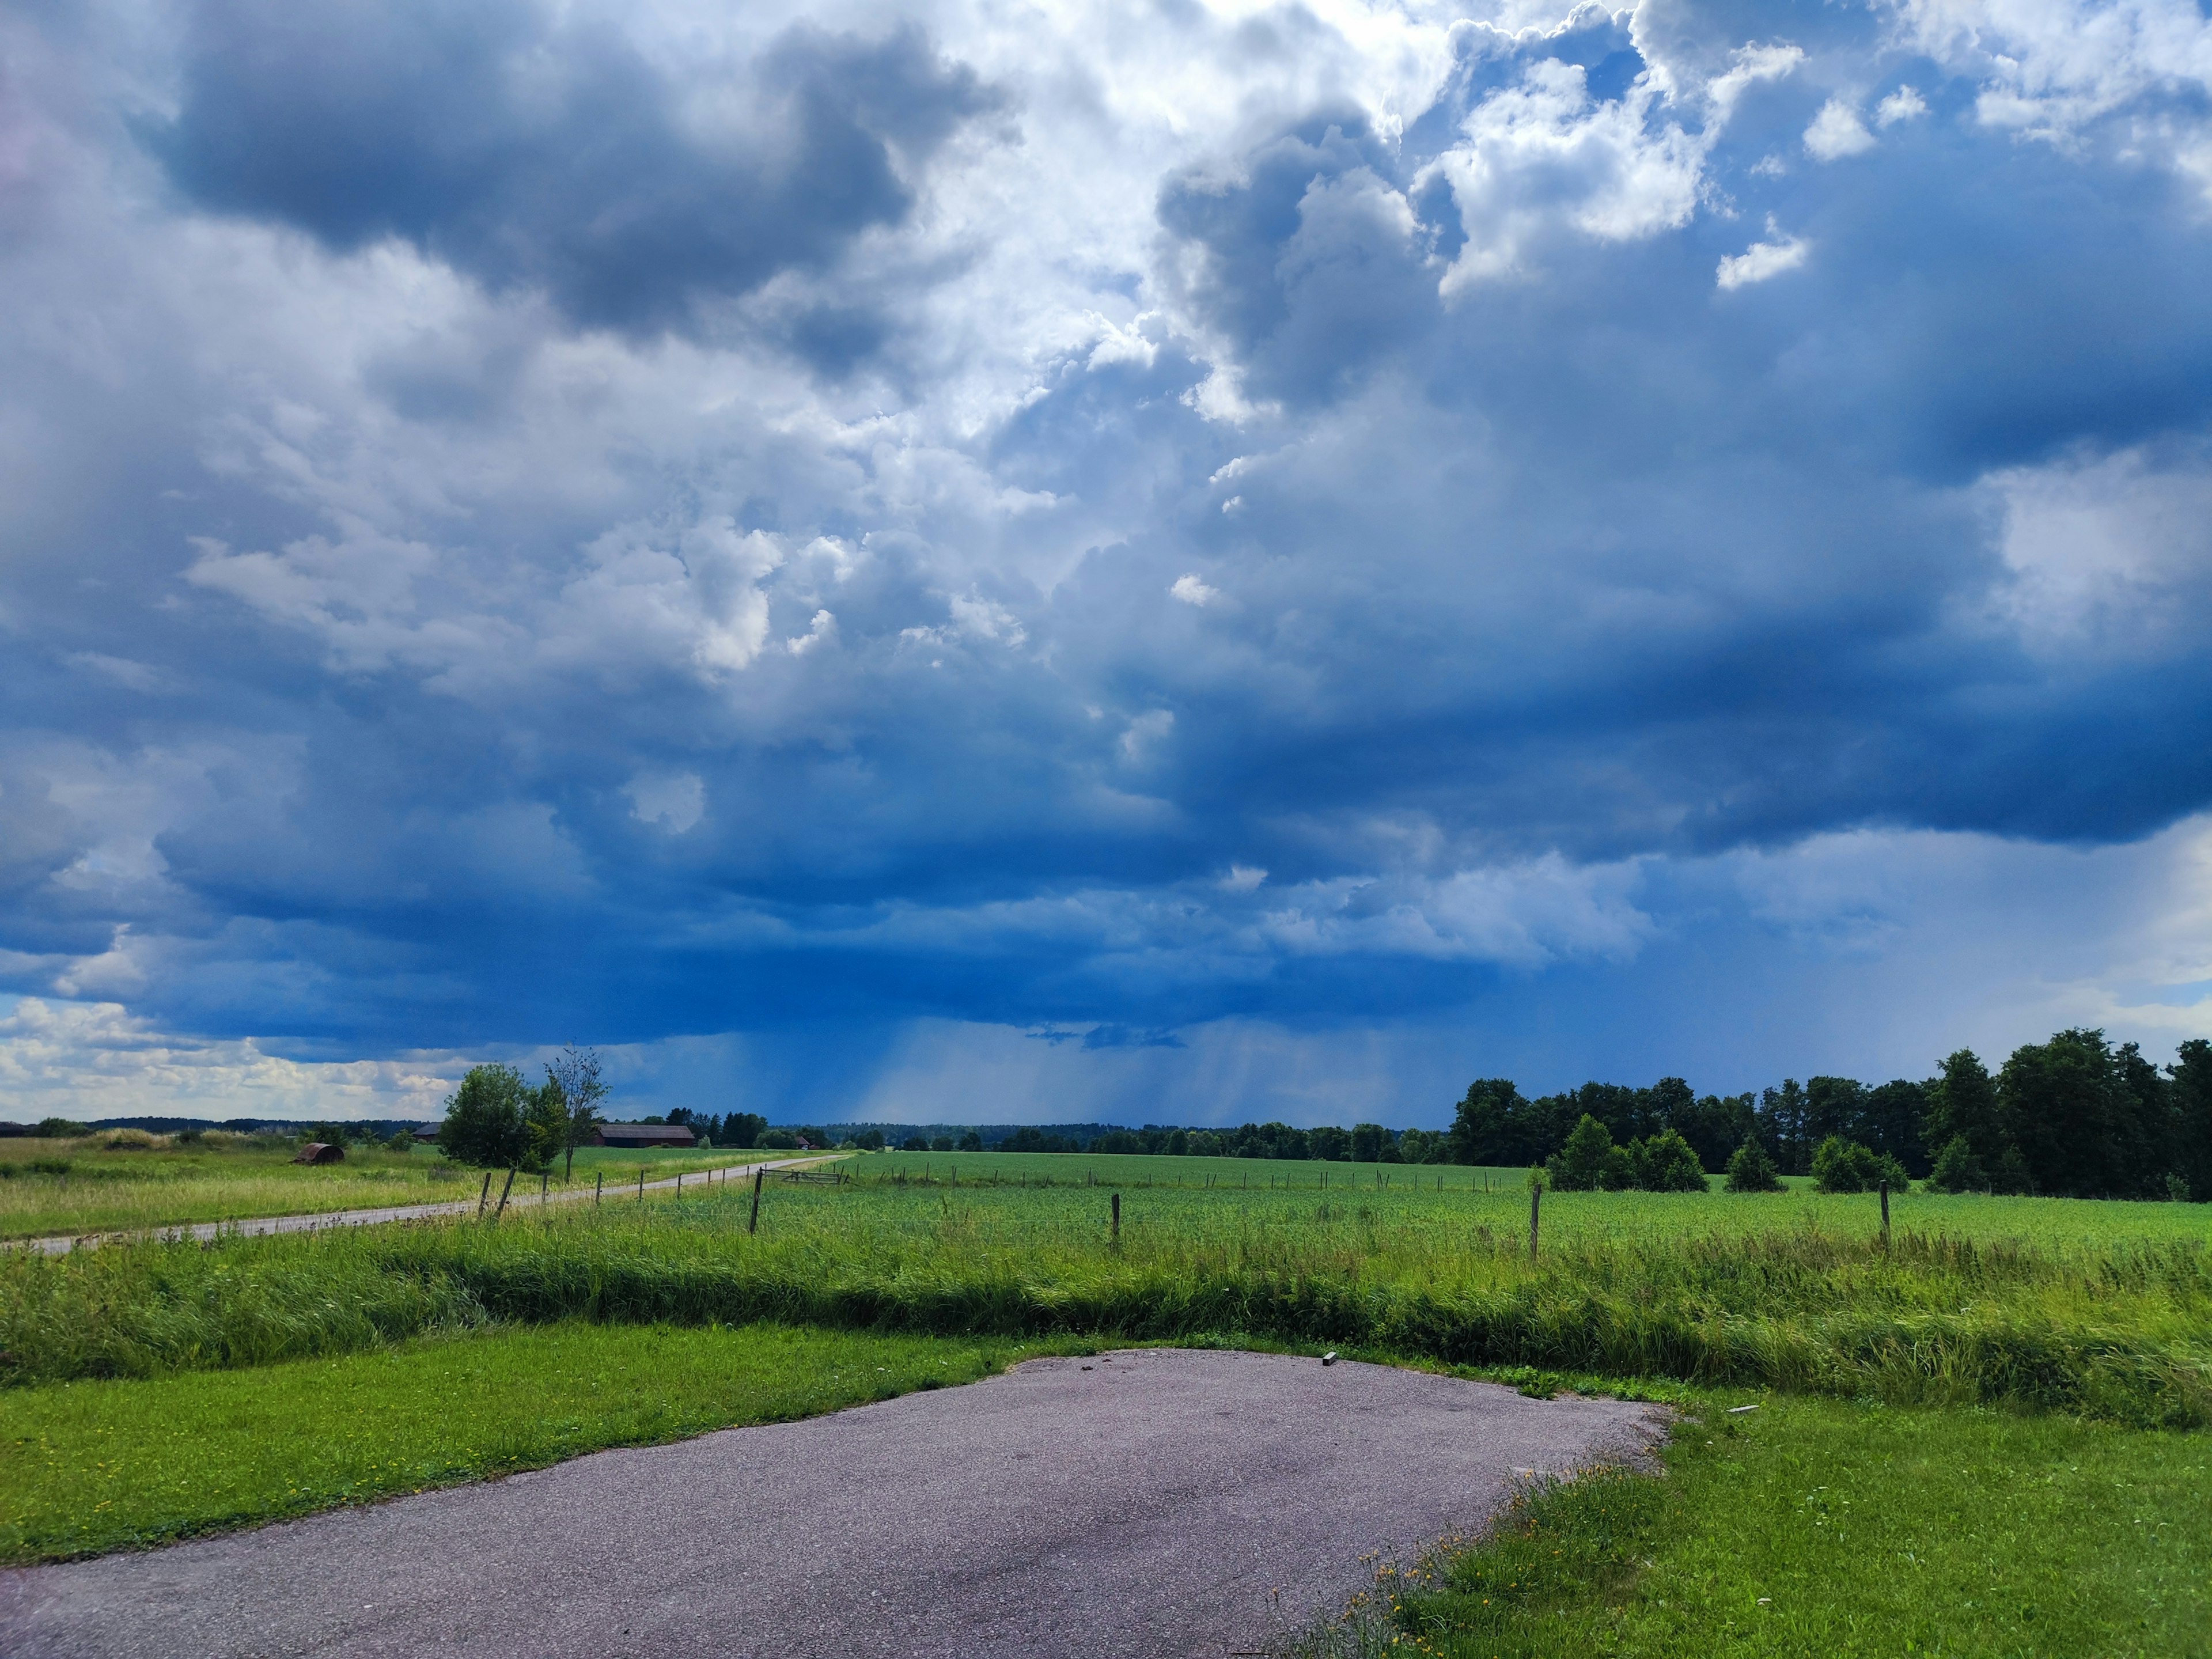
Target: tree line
2074 1116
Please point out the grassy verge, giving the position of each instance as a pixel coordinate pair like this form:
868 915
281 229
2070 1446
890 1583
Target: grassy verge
90 1466
2118 1329
1818 1528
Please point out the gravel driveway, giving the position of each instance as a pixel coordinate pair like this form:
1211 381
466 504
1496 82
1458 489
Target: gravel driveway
1154 1502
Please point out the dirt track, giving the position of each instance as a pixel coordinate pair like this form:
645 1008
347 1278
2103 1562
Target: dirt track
1154 1503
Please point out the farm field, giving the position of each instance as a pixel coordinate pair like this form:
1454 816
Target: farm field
1497 1198
119 1190
90 1466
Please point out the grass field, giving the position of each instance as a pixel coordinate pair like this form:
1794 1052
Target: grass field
1983 1434
90 1466
2116 1322
1817 1527
104 1189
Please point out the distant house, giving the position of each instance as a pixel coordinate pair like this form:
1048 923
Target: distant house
644 1134
320 1151
428 1134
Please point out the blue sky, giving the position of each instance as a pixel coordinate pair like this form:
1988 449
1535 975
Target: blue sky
1182 562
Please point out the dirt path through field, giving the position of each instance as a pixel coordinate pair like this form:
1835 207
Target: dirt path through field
525 1197
1151 1504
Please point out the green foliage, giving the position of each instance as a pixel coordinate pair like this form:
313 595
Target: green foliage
1751 1171
1584 1164
1844 1166
1665 1164
60 1129
1957 1168
1589 1162
331 1134
493 1121
784 1140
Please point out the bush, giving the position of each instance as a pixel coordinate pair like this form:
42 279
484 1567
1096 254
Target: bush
1751 1171
1844 1166
1668 1164
62 1128
1957 1169
779 1141
130 1141
1588 1158
972 1142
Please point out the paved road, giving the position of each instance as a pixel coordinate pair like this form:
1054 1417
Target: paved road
1153 1503
523 1197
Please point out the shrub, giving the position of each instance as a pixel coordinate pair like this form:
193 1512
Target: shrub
1668 1164
1583 1165
972 1142
1957 1169
1751 1171
779 1141
62 1128
1844 1166
129 1141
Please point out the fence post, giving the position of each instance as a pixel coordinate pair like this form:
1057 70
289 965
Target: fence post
641 1183
760 1171
598 1186
1885 1211
545 1186
1116 1227
483 1197
503 1192
1535 1209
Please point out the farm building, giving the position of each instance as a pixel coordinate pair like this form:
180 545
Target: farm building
427 1133
643 1134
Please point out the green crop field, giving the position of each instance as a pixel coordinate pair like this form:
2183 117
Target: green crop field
88 1185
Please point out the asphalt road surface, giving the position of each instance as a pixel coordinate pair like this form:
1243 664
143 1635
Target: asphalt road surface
1156 1502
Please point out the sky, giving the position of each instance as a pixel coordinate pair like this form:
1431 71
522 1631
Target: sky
1180 562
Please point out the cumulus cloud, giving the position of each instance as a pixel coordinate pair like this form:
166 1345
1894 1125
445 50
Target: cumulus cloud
1763 259
1837 132
728 488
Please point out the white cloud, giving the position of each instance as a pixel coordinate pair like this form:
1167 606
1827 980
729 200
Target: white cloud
1763 259
1192 591
1906 103
1836 131
1544 156
1242 878
821 630
2111 554
91 1060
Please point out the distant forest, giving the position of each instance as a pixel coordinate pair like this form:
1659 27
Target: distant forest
2072 1117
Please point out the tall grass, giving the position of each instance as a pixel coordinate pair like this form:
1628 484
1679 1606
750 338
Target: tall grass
2118 1329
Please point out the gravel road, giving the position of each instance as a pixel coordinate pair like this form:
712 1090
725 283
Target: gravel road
527 1199
1156 1502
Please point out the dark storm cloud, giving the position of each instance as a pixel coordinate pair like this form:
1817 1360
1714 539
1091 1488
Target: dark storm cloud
1662 443
534 151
